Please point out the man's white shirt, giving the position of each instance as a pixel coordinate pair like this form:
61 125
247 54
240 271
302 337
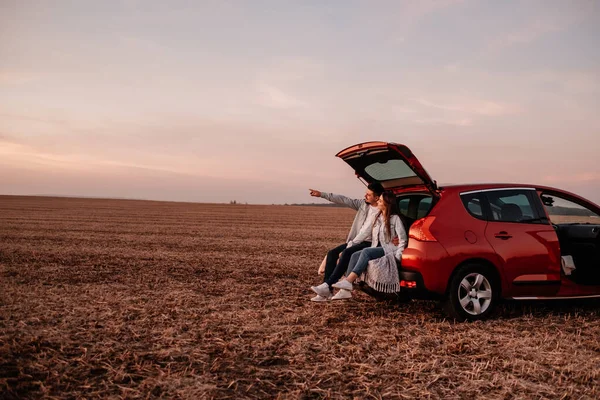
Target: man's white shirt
366 229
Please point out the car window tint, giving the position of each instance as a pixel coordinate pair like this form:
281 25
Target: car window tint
561 211
511 206
424 206
415 206
403 205
391 169
472 203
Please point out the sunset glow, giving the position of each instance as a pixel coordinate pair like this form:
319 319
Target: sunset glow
219 100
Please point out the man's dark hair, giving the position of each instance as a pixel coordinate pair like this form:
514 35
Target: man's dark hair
376 188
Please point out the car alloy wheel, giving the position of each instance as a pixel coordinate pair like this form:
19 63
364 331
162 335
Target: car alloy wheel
475 293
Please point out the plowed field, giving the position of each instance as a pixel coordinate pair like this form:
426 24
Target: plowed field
138 299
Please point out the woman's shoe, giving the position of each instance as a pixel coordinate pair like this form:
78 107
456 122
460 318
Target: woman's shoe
342 294
319 299
322 290
343 284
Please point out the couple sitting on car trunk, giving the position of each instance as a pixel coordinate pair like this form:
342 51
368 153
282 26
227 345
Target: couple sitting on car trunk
374 245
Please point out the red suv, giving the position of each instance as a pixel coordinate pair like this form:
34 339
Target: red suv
471 245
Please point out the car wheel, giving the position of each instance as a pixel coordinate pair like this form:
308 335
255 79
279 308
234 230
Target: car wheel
473 293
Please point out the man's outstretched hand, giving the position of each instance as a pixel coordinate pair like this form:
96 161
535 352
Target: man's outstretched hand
315 193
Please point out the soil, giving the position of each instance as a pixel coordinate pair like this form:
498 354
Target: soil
142 299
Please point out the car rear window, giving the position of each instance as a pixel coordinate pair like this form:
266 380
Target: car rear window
391 169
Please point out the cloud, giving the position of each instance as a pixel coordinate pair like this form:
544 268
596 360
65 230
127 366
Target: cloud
410 12
416 9
528 33
403 110
398 18
581 177
553 20
134 43
574 82
278 84
13 78
291 69
462 122
183 145
454 67
441 109
280 168
271 96
472 106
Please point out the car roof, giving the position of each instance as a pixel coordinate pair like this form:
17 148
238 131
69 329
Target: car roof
483 186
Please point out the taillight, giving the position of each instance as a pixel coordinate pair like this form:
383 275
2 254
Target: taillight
419 230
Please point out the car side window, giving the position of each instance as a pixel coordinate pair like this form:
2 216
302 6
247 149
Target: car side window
403 205
512 206
414 206
424 207
473 204
562 211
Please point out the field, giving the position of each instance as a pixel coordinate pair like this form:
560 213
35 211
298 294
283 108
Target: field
139 299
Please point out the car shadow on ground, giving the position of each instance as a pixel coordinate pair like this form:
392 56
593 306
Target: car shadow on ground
433 310
510 309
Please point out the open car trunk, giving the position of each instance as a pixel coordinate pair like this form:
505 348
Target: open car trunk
391 164
396 168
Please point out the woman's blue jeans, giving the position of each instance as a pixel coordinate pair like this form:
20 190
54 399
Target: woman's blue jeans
360 260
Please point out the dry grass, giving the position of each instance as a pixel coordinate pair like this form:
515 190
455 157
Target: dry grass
131 299
574 219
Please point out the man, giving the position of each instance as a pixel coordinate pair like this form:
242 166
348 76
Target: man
358 238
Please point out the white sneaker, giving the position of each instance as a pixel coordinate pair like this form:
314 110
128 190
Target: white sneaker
342 294
319 298
322 290
343 284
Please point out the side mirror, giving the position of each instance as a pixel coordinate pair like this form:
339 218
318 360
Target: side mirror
547 201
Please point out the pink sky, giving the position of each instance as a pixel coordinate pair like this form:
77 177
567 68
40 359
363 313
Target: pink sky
221 100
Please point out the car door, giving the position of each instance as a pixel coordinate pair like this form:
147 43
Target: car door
577 223
525 242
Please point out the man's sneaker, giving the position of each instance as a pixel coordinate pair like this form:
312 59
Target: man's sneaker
342 294
319 298
322 290
343 284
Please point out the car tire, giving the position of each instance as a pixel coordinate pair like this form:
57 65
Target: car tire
472 293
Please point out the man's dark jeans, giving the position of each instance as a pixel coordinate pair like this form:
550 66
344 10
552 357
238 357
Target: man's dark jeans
333 271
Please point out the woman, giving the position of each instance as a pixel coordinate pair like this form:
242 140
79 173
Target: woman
387 225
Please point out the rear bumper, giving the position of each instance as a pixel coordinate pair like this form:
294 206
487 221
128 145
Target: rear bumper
419 290
430 262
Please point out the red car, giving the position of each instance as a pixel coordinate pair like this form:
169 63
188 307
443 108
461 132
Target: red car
471 245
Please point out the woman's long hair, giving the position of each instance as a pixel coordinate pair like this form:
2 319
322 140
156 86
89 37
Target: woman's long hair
391 208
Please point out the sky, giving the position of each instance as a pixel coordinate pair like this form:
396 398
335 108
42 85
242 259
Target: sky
214 101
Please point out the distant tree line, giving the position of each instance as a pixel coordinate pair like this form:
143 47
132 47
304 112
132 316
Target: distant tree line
558 210
316 204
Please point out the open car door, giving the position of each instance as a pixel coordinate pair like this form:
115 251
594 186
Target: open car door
391 164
